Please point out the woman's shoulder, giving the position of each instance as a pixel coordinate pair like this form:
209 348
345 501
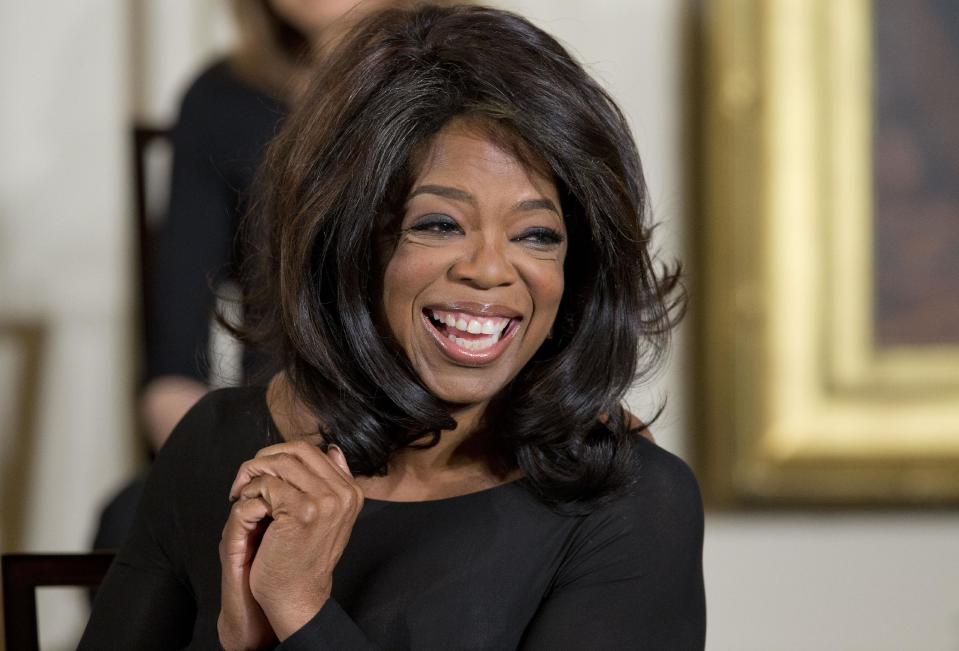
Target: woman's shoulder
225 421
661 476
229 401
220 93
649 536
217 80
662 504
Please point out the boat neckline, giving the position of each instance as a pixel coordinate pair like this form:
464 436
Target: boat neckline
275 436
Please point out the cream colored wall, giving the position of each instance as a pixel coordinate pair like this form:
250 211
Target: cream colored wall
774 581
64 263
70 84
833 582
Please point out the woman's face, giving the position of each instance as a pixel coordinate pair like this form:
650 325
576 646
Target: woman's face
472 287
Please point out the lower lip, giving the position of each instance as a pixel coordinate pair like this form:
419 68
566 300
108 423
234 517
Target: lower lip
469 357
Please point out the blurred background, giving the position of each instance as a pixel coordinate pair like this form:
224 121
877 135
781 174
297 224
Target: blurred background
77 76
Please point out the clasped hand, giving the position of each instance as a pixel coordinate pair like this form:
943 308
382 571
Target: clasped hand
293 513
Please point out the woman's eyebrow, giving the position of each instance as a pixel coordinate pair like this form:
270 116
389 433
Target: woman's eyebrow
461 195
537 204
445 191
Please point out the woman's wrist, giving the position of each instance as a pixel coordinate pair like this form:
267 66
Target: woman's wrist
287 621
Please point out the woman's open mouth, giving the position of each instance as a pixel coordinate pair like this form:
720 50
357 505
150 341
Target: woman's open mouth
470 338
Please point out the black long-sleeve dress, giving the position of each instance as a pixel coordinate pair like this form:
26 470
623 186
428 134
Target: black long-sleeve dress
495 569
223 127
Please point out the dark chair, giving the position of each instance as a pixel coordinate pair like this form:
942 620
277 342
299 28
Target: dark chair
24 573
145 139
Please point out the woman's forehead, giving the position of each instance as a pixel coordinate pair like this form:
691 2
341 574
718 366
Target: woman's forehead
465 143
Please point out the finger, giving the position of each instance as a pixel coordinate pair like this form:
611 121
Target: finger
278 495
242 529
314 459
241 619
280 464
336 454
336 479
286 446
246 514
285 467
286 501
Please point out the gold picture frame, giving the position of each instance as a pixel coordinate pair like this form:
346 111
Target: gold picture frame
799 406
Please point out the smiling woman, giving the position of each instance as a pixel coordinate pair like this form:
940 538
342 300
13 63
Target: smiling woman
411 113
475 278
451 268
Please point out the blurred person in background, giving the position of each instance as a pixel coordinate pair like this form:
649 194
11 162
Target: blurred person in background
453 270
227 116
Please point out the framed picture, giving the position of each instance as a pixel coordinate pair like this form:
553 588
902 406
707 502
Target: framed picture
829 252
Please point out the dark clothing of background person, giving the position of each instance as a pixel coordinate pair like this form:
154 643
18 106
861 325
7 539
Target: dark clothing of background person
223 127
494 569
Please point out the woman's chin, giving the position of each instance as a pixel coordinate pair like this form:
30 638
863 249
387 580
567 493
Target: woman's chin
463 395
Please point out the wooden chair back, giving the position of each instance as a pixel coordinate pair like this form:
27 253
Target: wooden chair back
144 138
24 573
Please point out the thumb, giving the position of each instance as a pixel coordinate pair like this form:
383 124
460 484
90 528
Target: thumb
337 456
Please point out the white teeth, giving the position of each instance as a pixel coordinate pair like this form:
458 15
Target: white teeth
493 327
475 344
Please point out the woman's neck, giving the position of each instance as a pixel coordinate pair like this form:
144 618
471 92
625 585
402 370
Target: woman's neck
466 453
464 460
465 445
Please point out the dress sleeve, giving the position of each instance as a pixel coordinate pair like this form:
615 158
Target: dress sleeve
331 628
145 601
633 577
195 241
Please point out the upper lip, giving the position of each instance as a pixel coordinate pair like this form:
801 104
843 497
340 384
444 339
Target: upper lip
477 309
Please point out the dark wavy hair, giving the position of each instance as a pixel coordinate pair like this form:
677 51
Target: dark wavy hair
341 169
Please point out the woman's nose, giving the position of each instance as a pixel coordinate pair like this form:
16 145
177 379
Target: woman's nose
485 264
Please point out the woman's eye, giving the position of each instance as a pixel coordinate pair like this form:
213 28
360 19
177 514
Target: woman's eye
541 236
439 224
